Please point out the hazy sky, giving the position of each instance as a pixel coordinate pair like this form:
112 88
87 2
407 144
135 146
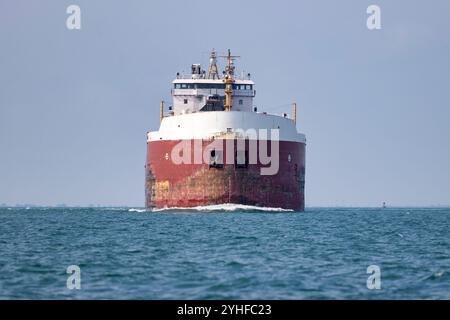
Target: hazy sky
75 106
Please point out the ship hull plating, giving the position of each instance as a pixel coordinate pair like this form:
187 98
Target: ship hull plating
169 184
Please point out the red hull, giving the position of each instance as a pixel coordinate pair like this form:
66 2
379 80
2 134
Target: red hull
189 185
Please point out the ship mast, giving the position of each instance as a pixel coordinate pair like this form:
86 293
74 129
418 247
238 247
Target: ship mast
212 69
229 80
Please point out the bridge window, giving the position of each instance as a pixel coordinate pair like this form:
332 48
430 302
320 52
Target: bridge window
185 101
184 85
210 86
220 86
242 87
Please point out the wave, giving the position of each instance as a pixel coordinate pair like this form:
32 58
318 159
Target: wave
137 210
437 275
226 207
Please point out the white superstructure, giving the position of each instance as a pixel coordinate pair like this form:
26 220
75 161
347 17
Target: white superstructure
194 95
207 104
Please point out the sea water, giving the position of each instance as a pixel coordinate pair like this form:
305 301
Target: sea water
225 252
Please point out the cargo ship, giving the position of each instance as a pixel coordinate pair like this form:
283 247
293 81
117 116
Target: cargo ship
215 147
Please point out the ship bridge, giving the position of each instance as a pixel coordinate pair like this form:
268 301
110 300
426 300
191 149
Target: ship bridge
196 95
203 90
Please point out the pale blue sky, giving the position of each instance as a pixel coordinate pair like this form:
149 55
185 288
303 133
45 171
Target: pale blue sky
75 106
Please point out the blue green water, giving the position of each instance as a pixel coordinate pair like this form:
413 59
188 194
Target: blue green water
224 254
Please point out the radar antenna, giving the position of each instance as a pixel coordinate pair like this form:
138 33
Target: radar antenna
212 69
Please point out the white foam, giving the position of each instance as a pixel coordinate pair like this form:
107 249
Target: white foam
137 210
228 207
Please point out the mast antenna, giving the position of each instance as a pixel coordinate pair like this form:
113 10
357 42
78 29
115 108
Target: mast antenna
229 78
